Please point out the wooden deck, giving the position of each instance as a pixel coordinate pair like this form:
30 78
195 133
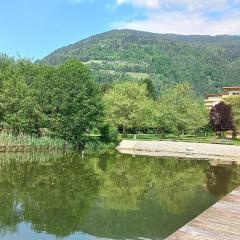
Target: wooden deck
219 222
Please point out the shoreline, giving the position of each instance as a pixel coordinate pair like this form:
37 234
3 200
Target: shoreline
199 151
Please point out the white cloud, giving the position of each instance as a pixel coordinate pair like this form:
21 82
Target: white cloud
141 3
185 24
187 4
210 17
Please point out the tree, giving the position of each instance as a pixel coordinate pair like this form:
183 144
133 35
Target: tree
180 111
19 109
152 93
221 118
64 99
128 106
234 102
75 102
199 117
108 133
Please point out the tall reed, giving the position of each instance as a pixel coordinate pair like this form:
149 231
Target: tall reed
8 139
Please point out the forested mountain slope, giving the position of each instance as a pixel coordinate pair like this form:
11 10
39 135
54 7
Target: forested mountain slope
208 62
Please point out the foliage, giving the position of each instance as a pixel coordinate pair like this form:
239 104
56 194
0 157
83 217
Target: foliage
109 133
180 111
207 62
76 104
66 100
221 118
94 145
234 102
18 107
152 93
128 106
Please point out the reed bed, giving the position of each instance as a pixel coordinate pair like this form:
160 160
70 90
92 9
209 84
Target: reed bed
32 156
8 140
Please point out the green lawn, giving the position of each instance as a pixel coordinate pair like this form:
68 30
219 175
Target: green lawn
185 138
93 61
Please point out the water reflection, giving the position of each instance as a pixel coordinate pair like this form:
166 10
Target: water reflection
222 179
109 196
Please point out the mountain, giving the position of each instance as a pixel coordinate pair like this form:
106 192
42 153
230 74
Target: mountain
208 62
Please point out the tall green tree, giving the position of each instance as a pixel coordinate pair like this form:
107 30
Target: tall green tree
180 111
19 109
234 102
152 93
66 99
127 105
75 102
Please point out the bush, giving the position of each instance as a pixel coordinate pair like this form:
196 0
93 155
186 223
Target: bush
109 133
94 145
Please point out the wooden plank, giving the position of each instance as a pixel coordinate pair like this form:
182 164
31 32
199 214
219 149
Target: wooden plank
219 222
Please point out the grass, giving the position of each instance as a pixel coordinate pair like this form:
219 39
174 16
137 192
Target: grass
185 138
138 75
7 139
93 61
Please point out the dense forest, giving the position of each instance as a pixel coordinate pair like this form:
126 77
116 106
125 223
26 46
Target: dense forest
207 62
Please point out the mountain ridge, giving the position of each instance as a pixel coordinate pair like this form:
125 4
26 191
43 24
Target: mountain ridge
165 36
208 62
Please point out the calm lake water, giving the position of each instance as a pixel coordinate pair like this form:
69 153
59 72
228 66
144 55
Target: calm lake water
112 196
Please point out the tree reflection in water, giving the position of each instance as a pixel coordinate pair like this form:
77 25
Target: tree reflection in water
109 196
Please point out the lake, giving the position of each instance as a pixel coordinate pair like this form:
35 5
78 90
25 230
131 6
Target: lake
110 196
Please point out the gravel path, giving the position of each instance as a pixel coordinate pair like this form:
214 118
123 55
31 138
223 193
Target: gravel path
181 149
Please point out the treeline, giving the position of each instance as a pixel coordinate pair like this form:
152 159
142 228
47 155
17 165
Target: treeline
63 101
66 102
136 107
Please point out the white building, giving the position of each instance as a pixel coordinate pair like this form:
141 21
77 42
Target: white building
213 99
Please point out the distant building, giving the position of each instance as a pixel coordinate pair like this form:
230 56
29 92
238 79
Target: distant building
214 99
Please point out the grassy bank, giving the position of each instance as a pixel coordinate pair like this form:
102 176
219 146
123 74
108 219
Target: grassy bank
185 138
15 143
30 141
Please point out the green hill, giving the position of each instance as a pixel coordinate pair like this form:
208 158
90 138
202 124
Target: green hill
208 62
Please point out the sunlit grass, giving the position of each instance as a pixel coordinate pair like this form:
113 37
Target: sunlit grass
185 138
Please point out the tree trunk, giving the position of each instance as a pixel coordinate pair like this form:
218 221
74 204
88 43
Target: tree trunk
178 135
124 132
162 133
220 134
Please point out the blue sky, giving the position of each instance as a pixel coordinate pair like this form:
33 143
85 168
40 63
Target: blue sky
34 28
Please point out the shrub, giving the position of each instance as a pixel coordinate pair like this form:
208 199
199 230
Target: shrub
109 133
